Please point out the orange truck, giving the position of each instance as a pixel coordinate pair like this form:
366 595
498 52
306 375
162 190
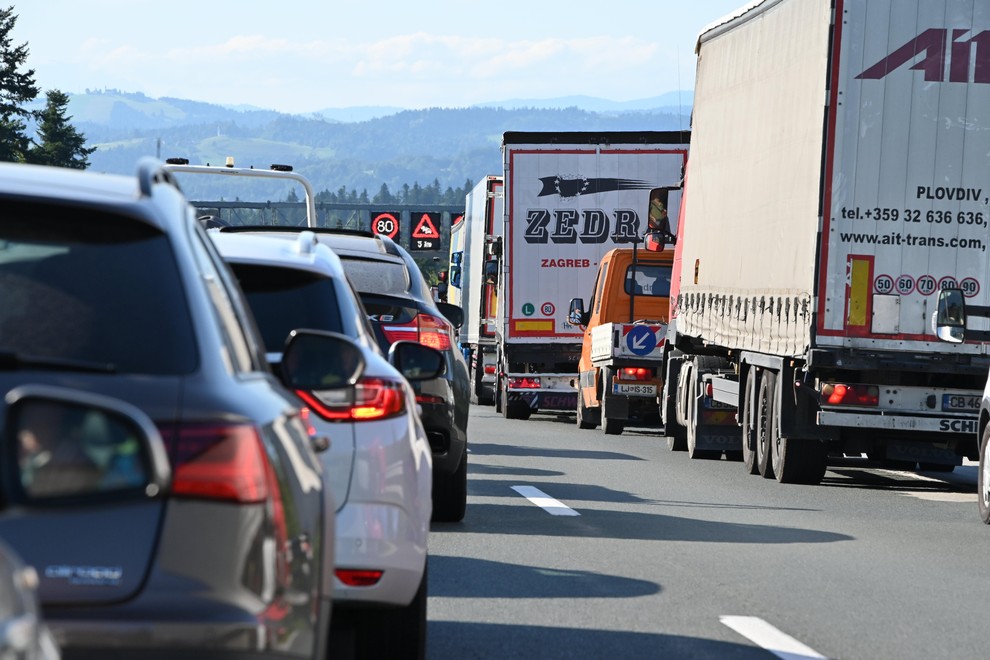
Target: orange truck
625 325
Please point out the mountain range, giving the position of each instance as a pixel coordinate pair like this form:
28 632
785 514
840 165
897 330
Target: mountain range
358 148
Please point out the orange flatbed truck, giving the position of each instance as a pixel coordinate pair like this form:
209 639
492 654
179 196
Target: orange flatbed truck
625 325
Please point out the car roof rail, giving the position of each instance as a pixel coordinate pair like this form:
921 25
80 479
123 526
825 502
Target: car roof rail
149 172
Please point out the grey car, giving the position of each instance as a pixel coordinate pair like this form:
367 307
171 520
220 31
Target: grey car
110 287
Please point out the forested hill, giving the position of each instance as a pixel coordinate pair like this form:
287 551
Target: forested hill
426 147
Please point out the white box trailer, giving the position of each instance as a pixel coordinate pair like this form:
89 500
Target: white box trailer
837 180
470 244
570 197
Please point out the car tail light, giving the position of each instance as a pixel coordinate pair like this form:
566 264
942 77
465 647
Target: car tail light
218 462
635 373
850 395
426 329
358 577
374 398
489 369
429 398
525 383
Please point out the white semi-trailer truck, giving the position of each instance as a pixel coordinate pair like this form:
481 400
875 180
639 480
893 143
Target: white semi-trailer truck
570 197
837 180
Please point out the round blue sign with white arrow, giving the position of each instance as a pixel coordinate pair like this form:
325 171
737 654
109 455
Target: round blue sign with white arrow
641 340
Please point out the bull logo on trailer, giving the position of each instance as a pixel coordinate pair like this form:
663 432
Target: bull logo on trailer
937 49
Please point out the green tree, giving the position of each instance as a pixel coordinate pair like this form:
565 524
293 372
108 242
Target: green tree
60 144
17 88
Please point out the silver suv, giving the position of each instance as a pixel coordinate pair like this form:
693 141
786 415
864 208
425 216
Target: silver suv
379 459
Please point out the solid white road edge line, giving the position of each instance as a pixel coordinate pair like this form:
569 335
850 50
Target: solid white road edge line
766 636
545 502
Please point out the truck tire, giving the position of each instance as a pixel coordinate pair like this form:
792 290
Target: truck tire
797 460
983 478
610 425
766 423
748 417
482 396
675 434
586 419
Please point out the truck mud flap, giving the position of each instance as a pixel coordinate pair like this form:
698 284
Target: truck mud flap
717 429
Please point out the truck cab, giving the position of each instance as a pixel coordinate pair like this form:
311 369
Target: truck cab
624 328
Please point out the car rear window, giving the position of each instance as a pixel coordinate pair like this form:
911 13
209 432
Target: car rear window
649 281
84 285
377 276
284 299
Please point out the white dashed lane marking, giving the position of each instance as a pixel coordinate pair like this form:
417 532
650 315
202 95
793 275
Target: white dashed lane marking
545 502
766 636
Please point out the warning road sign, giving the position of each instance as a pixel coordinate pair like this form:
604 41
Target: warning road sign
425 235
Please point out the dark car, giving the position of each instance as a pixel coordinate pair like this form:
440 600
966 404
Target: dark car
401 307
215 548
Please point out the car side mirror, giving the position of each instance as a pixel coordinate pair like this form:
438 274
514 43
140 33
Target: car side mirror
654 241
452 313
69 445
320 360
950 316
416 361
491 271
576 314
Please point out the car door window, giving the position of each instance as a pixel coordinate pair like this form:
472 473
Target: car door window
236 349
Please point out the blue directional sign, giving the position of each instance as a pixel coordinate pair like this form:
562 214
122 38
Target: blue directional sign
641 340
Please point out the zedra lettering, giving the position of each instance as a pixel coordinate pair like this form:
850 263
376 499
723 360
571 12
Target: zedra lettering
594 226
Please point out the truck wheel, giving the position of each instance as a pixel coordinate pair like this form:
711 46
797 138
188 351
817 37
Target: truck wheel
586 419
983 478
748 430
676 434
797 461
766 423
613 426
610 425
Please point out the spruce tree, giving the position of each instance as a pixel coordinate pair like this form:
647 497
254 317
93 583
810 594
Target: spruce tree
60 144
17 88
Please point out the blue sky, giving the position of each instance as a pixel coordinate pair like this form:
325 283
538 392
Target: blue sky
301 56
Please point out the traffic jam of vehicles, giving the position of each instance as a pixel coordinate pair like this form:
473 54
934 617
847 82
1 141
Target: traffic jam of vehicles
249 431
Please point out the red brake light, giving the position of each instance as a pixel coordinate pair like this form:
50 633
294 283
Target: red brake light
635 373
489 369
218 462
426 329
524 382
357 577
855 395
374 398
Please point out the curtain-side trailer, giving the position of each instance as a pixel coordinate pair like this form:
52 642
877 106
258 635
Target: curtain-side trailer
837 181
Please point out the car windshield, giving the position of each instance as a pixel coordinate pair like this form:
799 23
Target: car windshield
377 276
83 285
284 299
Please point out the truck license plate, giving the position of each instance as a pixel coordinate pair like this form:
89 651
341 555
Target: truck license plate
634 389
960 402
